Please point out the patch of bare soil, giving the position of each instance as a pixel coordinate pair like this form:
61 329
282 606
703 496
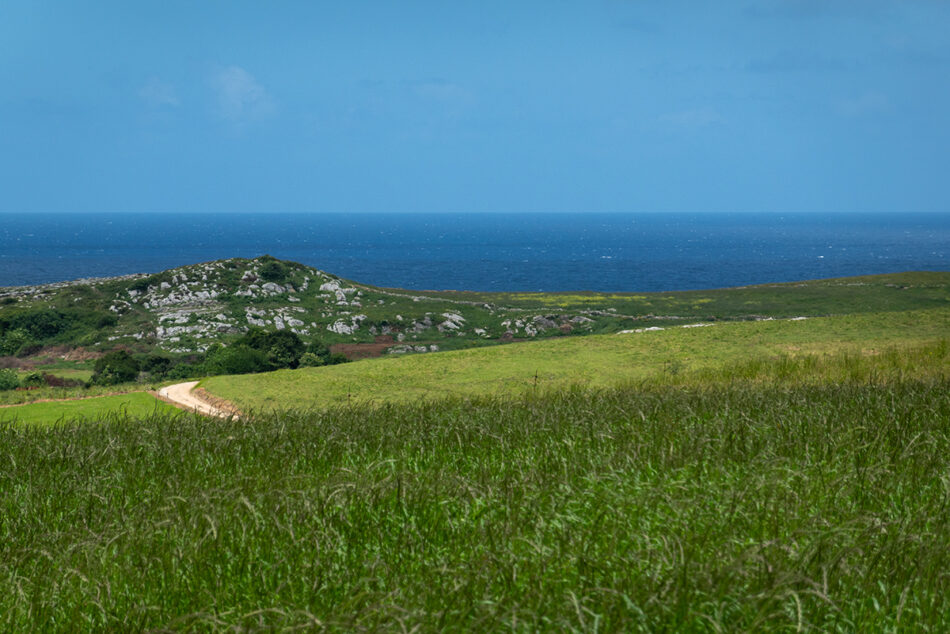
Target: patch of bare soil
14 363
218 403
81 354
186 397
355 351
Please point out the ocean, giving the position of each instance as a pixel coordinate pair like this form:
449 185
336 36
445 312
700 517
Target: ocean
487 252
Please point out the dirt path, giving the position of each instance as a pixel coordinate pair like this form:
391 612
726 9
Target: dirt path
182 394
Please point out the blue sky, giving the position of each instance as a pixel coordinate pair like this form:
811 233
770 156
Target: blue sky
603 105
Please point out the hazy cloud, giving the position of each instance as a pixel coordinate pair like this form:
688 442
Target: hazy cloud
157 93
240 96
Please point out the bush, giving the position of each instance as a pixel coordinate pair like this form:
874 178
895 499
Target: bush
236 359
49 325
156 365
282 348
9 380
12 341
317 351
273 271
116 367
33 379
337 358
311 360
185 371
140 285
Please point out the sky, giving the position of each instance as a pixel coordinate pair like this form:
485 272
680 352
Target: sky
487 106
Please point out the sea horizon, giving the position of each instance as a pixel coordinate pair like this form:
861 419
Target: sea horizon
487 251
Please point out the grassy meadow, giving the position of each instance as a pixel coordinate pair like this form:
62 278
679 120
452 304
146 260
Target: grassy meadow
745 505
133 404
598 361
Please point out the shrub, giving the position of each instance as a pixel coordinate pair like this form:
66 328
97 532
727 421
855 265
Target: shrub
336 358
156 365
236 359
282 348
33 379
48 325
185 371
273 271
117 366
9 380
140 285
106 320
12 341
318 354
311 360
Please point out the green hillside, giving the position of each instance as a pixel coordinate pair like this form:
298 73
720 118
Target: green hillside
602 360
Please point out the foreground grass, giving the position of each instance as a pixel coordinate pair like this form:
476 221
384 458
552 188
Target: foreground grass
136 404
599 361
750 506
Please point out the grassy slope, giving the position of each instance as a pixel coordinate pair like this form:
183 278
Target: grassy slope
869 293
136 404
597 360
809 507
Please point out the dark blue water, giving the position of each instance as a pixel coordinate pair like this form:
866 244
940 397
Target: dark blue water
536 252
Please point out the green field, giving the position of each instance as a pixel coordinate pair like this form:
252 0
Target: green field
602 361
751 506
134 404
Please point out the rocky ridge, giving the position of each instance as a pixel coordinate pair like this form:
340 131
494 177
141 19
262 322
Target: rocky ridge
187 309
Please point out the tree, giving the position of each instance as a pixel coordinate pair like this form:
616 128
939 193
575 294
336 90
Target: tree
117 366
235 359
9 379
156 365
282 348
319 354
13 340
273 271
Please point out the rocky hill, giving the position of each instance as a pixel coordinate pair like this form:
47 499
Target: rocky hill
185 310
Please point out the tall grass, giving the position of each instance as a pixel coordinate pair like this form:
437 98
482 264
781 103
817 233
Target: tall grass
748 506
874 365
